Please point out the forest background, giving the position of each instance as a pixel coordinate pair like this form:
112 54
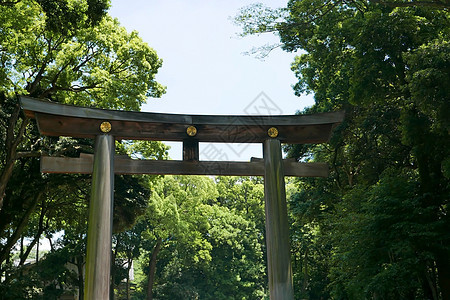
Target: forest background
377 228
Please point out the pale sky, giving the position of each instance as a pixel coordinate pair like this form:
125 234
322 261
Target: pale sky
204 67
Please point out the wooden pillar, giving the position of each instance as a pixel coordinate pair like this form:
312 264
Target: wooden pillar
277 227
98 259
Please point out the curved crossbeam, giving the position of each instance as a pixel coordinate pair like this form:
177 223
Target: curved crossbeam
56 119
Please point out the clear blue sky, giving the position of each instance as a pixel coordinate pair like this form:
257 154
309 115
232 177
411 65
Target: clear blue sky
204 67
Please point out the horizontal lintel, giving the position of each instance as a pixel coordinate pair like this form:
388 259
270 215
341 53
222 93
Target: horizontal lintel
84 165
56 119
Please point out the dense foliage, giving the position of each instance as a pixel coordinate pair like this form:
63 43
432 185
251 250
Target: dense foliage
379 229
72 52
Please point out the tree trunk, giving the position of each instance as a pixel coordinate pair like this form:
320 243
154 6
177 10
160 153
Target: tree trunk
429 286
432 182
79 264
113 268
35 240
129 265
49 238
19 230
151 272
443 267
305 272
21 247
11 144
37 249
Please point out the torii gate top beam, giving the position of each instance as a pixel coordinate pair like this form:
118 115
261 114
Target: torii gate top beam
65 120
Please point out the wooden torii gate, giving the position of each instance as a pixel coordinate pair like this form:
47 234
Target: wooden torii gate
106 126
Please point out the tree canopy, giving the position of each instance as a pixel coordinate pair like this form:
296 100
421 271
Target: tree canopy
379 228
73 52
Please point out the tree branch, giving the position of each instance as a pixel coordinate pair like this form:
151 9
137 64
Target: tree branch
37 236
28 154
11 143
73 88
20 228
85 61
436 4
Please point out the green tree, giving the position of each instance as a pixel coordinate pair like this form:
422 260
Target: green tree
198 243
385 63
127 248
72 52
237 269
176 214
87 61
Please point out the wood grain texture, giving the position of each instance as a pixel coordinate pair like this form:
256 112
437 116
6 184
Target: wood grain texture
64 120
83 165
190 150
279 267
99 237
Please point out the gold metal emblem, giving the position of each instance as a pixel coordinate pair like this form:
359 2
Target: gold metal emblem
272 132
105 127
191 131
